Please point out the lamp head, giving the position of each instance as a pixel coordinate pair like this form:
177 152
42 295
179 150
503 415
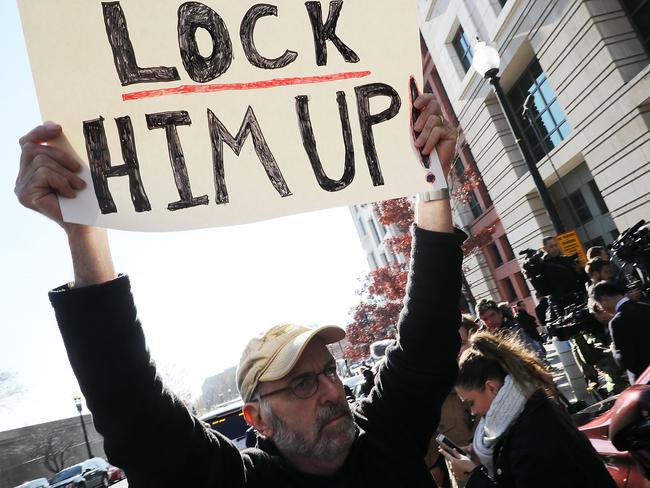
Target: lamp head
486 60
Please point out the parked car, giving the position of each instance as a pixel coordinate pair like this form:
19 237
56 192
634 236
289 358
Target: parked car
38 483
115 474
595 422
228 419
87 474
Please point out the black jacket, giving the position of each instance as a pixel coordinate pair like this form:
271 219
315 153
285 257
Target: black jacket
149 433
630 333
543 448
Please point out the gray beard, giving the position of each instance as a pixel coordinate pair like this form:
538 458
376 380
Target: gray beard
326 446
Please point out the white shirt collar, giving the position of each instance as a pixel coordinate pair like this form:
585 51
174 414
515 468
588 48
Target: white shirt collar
621 302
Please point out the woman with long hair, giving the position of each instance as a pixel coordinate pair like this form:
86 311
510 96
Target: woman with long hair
523 439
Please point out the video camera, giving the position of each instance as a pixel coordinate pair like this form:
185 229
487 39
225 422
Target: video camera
576 319
534 261
632 248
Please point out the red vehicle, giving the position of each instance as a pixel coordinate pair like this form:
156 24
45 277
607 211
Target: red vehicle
605 419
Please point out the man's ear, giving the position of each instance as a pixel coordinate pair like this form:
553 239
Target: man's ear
253 416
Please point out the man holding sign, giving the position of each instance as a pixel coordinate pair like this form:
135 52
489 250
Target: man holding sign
287 377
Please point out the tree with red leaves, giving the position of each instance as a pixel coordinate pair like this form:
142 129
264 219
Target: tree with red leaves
383 290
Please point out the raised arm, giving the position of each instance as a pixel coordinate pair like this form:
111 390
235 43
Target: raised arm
47 173
419 372
146 430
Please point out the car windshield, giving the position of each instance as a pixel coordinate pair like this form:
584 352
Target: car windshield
65 474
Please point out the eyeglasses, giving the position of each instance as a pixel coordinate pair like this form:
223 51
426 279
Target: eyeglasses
306 385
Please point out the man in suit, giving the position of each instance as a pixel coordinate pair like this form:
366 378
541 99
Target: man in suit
629 328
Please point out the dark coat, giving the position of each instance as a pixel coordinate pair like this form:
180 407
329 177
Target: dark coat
630 333
150 433
543 448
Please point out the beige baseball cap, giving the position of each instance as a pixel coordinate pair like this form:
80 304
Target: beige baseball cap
273 354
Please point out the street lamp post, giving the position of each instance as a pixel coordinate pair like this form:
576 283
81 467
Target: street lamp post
487 62
77 402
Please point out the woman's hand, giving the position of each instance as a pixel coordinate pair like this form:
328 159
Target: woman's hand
461 465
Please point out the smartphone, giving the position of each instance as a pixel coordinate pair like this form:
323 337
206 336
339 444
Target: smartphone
447 442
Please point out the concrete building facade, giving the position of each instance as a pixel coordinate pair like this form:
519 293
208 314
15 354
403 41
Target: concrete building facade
373 234
22 450
585 64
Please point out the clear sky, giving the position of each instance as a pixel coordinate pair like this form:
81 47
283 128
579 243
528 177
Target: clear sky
200 294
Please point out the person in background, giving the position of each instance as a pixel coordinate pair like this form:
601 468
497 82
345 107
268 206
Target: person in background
523 438
455 423
496 321
527 321
629 327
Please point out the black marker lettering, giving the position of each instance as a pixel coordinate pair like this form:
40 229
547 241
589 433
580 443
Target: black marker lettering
323 32
169 121
309 142
195 15
123 54
219 134
364 94
246 33
99 158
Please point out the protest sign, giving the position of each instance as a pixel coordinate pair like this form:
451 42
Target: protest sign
196 114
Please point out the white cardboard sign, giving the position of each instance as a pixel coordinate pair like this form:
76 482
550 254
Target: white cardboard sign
198 114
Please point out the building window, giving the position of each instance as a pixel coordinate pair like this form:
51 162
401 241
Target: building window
459 168
639 13
375 233
384 259
581 210
362 227
474 205
503 2
550 126
496 255
505 244
519 279
373 261
463 49
508 290
600 202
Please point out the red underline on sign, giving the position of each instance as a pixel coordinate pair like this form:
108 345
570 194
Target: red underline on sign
254 85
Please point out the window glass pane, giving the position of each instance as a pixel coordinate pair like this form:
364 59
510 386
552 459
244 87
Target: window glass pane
547 92
602 206
545 110
580 207
556 113
494 250
565 130
463 49
505 244
546 124
459 168
474 205
554 139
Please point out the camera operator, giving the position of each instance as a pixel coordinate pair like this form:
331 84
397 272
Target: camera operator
629 328
563 281
599 269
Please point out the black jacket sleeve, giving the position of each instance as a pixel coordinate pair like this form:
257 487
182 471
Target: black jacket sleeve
421 368
147 431
630 332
